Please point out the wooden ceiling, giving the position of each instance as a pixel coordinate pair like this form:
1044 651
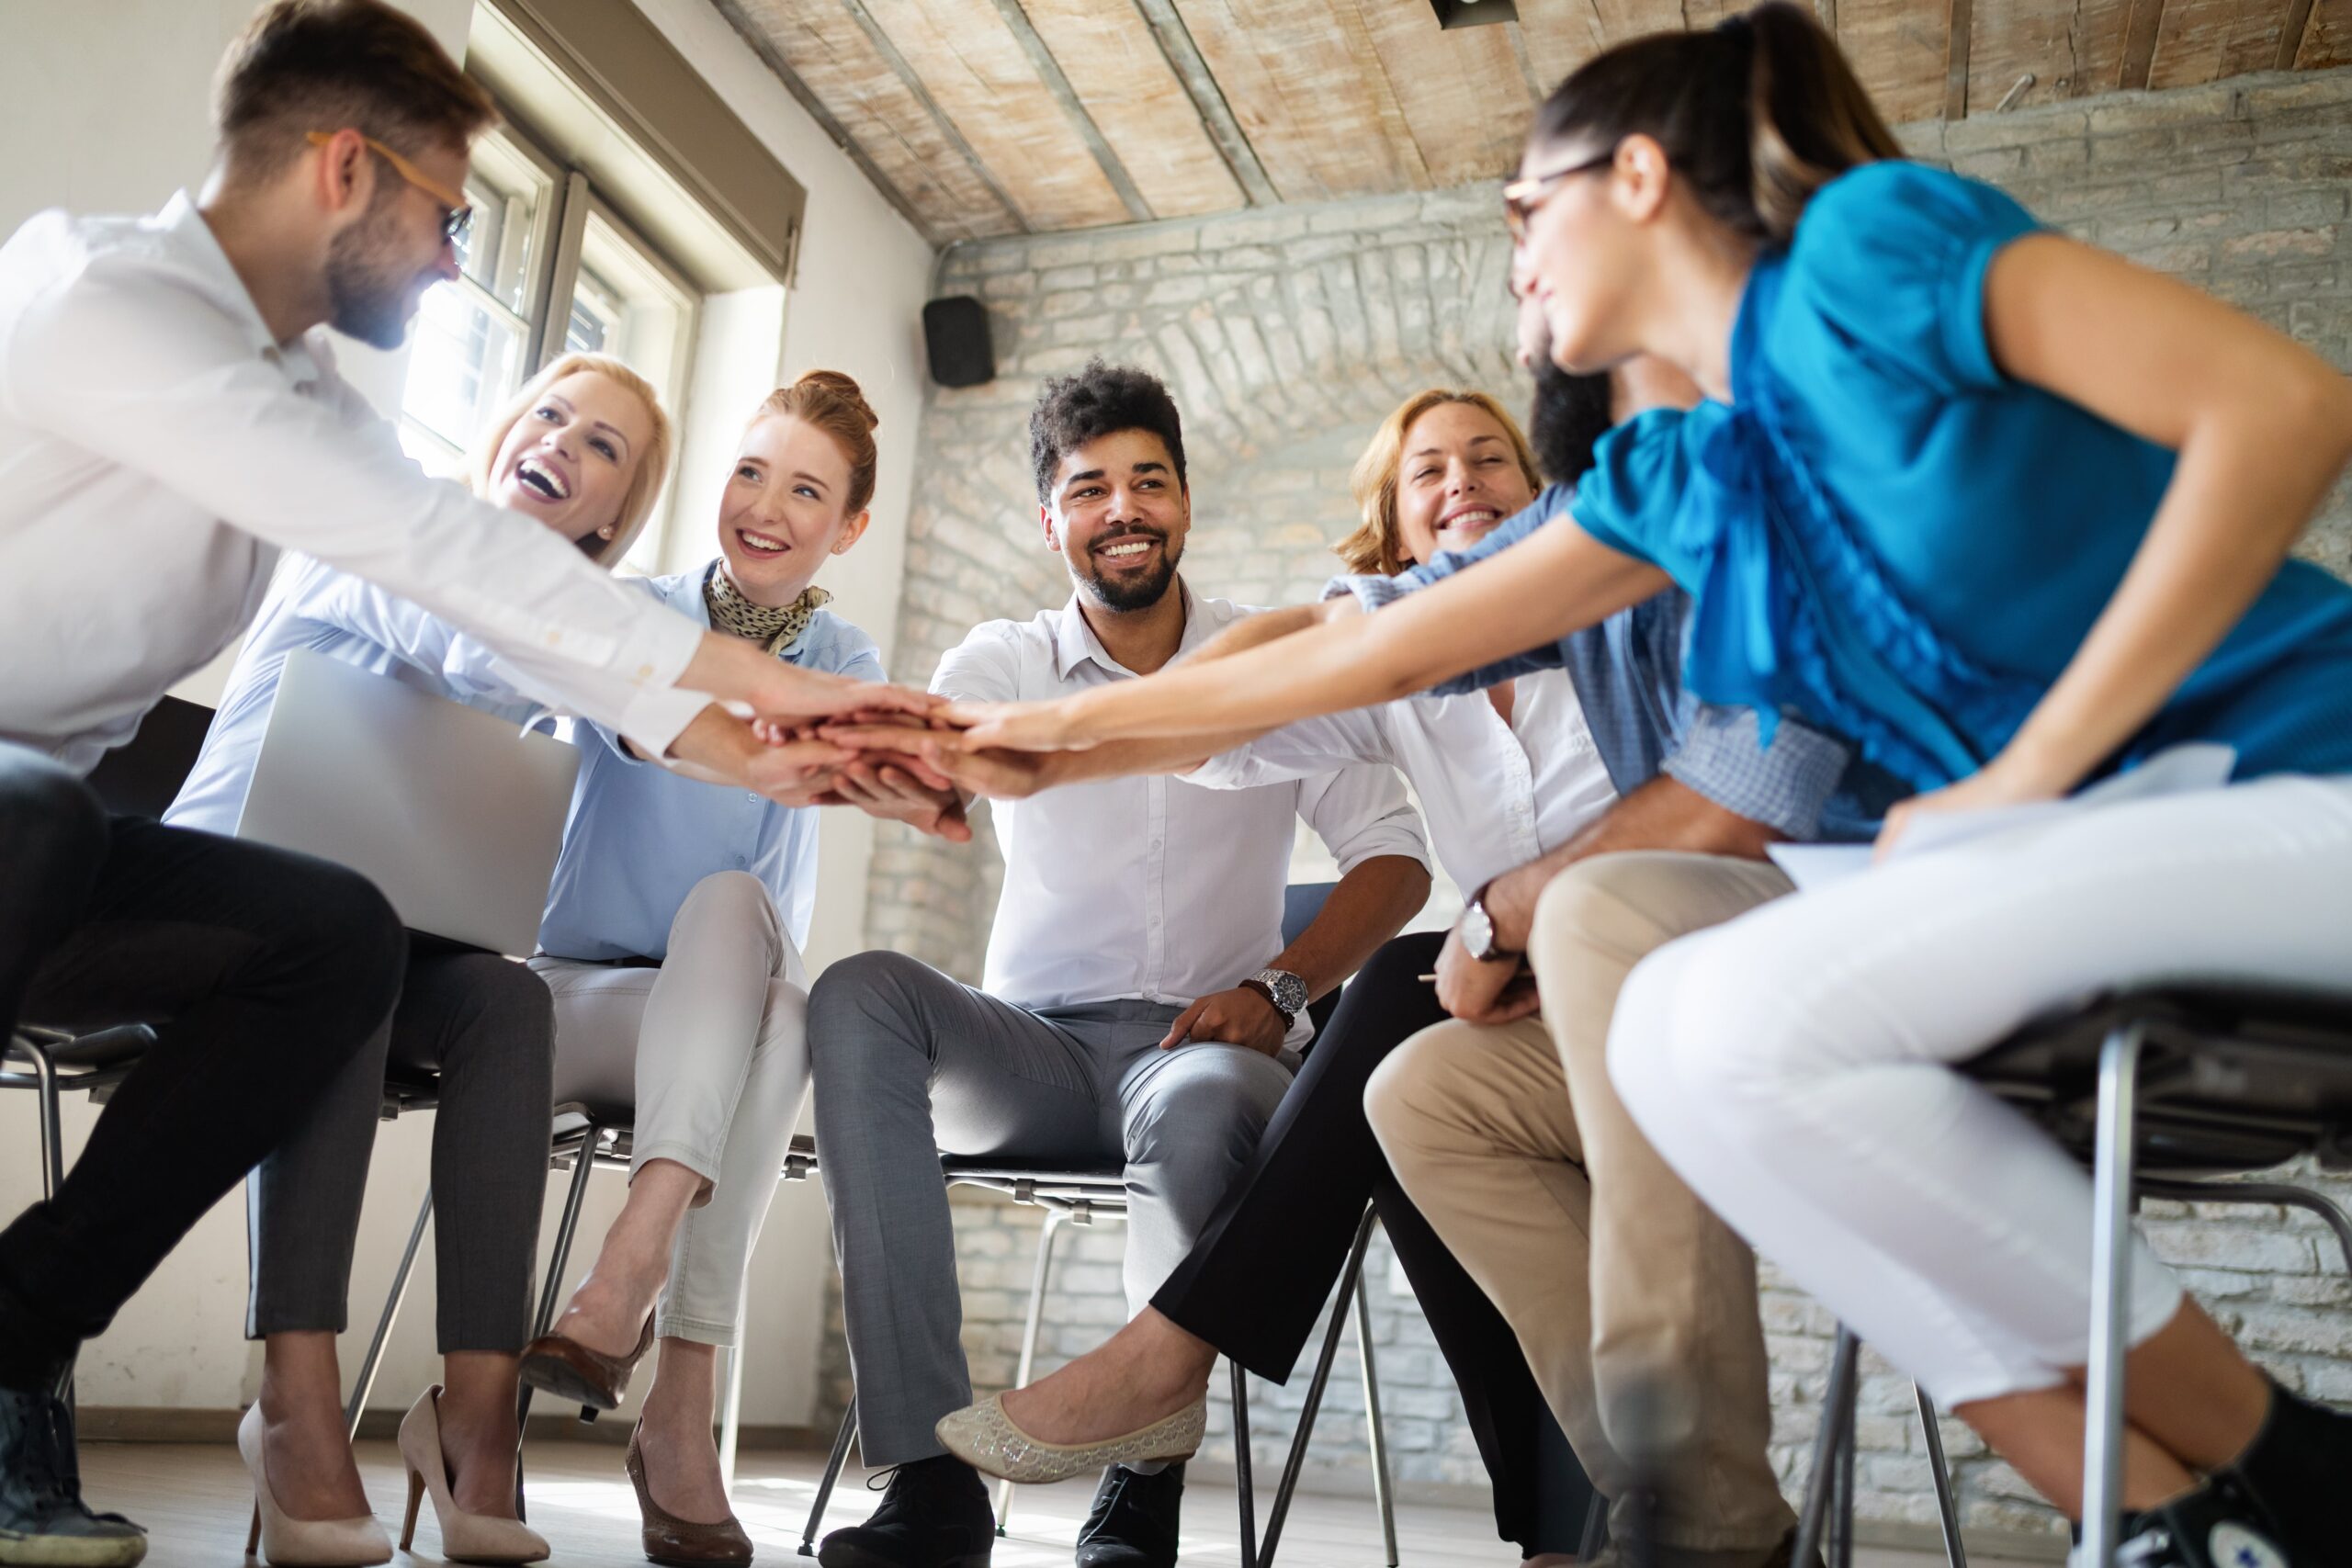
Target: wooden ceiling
1000 116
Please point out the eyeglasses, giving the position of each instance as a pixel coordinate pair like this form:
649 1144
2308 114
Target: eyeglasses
456 216
1522 197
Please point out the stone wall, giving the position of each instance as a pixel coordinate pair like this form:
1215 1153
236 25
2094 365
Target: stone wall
1286 335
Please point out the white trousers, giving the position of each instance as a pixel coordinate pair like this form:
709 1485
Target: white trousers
712 1049
1792 1065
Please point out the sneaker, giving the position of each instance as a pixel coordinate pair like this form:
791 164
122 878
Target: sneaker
1133 1523
2216 1525
934 1514
43 1521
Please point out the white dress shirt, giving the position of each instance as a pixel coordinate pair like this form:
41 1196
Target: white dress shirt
1151 888
158 448
1497 794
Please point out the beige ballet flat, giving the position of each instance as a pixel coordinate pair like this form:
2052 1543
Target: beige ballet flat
985 1438
302 1543
465 1537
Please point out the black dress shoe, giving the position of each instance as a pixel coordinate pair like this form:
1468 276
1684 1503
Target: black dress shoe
2219 1525
934 1514
1133 1523
43 1517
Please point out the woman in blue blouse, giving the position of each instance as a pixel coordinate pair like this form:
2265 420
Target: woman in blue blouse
2010 513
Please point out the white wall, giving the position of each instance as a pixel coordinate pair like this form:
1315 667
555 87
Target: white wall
114 94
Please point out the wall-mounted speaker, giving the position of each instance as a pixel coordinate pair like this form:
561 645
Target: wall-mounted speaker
956 335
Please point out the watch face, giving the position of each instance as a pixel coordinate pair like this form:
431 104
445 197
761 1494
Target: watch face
1477 931
1290 991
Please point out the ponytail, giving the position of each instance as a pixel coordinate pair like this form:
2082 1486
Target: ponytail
1755 115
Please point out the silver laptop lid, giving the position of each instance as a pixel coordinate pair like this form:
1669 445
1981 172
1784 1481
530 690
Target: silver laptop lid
454 814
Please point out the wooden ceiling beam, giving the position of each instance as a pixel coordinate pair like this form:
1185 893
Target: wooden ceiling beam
1183 56
922 95
2140 35
1049 72
2290 34
1959 22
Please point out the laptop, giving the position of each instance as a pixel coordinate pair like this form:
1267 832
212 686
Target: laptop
456 815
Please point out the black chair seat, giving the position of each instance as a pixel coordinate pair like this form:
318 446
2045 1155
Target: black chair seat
2231 1079
102 1049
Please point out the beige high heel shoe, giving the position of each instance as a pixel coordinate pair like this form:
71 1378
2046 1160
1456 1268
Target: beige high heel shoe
465 1537
302 1543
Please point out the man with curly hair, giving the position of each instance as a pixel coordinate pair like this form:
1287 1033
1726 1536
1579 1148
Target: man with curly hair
1139 1004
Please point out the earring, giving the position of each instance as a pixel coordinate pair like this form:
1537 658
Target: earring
606 532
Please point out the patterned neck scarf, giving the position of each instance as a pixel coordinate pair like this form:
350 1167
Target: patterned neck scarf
774 630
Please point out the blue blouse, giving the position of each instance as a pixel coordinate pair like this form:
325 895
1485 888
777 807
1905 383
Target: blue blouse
1886 536
639 836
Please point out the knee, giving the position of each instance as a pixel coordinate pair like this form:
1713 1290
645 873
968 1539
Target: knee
1583 909
1701 1038
340 934
861 1005
1212 1108
55 832
724 899
508 1009
1407 1093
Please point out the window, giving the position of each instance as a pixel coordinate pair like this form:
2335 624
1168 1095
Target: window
548 269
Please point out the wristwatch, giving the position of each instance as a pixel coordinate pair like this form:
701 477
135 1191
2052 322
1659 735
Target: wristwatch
1479 930
1283 989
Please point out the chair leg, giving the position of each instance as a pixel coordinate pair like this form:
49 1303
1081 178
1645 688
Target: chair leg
1349 1278
730 1416
1377 1435
1596 1529
583 1164
2118 1071
1947 1506
1835 1405
832 1473
1244 1485
1054 1218
52 1127
365 1384
1841 1537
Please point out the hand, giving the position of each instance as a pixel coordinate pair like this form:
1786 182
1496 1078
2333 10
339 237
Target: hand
1237 1017
2000 783
734 671
1481 991
895 794
1017 726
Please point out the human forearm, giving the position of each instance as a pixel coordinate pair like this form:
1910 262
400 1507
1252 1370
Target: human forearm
1556 583
1369 905
1664 814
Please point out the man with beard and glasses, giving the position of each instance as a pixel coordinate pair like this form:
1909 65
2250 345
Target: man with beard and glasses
1643 1341
1139 1005
170 420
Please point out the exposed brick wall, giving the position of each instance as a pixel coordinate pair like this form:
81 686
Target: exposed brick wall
1286 335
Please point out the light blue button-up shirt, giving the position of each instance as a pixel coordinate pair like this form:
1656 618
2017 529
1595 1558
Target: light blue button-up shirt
639 836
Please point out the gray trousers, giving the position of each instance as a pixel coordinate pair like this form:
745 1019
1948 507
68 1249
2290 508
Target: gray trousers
909 1063
488 1027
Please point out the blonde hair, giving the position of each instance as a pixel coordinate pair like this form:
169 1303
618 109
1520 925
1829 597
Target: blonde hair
652 460
1373 547
832 402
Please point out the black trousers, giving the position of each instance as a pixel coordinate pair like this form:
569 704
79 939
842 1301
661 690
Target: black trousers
262 972
1256 1280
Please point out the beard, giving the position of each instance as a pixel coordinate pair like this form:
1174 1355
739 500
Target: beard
368 293
1130 592
1570 416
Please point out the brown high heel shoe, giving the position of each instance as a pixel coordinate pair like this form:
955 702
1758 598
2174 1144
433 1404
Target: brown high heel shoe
671 1539
562 1366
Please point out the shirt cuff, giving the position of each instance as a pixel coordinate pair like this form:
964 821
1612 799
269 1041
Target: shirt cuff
1782 786
1370 592
654 718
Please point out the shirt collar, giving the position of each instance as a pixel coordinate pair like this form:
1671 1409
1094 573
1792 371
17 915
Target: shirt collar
192 238
1075 642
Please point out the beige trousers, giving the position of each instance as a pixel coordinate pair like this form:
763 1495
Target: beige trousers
1635 1305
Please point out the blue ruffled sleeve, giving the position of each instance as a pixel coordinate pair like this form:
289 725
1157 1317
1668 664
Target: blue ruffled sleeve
1892 256
1634 498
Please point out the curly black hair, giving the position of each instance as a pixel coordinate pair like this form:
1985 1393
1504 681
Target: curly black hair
1099 400
1570 416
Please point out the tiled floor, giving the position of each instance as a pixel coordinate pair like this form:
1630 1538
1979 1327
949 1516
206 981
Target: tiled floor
194 1500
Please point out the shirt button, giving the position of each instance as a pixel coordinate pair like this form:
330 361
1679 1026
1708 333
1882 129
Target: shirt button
645 672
